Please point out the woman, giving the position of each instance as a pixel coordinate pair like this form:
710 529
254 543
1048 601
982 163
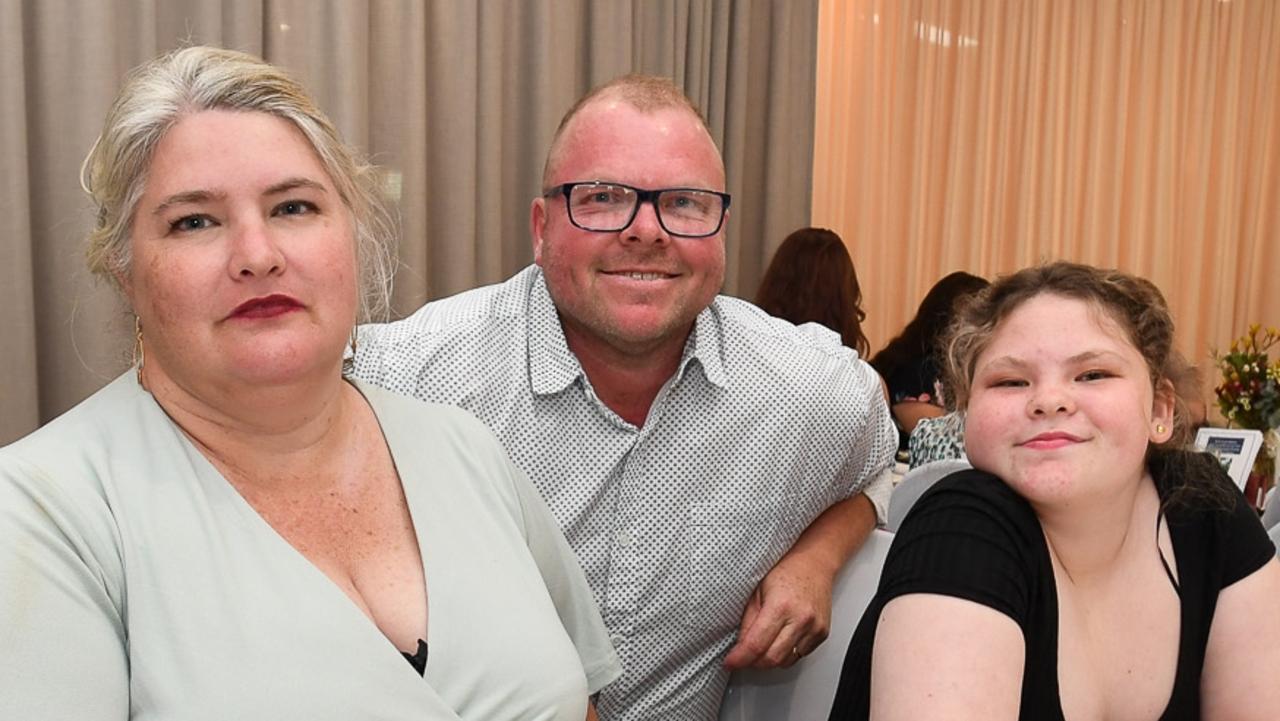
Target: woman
233 530
811 280
1084 570
908 363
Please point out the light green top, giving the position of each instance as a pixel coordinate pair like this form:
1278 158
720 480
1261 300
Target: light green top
136 583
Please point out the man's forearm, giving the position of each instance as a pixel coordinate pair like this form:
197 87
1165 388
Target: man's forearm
834 536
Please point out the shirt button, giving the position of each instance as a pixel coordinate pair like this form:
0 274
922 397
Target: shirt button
616 639
623 538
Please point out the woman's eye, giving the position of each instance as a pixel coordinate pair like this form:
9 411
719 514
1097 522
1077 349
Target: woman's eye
188 223
295 207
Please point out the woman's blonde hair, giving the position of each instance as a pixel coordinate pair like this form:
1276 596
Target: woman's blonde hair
159 93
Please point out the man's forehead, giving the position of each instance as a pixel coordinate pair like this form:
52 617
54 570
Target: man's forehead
606 112
611 119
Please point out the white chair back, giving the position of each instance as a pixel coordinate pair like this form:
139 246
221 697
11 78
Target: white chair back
804 692
914 484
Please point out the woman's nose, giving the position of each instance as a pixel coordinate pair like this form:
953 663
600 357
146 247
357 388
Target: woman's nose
1050 399
255 252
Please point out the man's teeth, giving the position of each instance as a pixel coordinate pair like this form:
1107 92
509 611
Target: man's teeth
644 276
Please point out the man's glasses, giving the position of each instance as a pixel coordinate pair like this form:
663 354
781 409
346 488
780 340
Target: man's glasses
611 207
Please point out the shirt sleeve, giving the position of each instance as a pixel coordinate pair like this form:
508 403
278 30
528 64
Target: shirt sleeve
968 537
878 491
61 627
568 587
872 443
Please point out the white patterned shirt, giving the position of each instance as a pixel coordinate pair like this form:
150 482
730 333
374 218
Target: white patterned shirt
763 427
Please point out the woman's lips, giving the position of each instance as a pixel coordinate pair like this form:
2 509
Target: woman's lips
268 306
1050 441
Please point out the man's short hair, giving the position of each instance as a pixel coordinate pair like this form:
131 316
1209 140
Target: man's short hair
646 93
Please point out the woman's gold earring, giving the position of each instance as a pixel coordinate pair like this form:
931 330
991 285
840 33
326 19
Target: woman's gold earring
139 353
1159 429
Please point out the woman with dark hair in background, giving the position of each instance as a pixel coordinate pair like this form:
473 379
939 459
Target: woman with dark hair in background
909 363
811 280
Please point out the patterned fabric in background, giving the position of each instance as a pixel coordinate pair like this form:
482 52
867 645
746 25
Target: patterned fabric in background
936 439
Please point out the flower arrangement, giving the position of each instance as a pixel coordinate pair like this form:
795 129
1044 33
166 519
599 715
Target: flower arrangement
1249 396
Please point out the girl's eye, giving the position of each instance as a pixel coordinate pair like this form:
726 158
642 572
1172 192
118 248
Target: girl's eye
1008 383
1093 375
188 223
295 207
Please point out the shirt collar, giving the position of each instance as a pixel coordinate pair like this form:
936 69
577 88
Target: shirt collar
553 367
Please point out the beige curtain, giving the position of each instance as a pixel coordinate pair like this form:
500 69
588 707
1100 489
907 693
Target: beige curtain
457 99
984 135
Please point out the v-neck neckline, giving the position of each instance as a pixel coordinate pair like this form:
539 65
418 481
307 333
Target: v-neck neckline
1057 624
249 516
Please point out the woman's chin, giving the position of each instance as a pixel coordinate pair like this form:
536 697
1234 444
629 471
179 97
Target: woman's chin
260 373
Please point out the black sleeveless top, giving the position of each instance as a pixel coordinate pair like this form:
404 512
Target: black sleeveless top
418 659
972 537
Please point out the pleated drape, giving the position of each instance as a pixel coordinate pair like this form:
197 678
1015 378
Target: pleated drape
456 99
985 136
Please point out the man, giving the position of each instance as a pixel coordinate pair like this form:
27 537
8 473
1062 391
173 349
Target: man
704 459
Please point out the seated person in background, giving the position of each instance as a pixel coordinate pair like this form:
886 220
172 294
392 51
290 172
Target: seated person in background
936 439
233 529
1087 568
811 279
909 364
712 465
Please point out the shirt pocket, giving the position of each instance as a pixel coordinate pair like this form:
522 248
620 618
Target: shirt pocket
730 548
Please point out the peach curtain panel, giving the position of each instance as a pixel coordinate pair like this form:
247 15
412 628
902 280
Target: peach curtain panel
985 136
455 99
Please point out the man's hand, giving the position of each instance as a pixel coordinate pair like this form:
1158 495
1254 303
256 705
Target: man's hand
788 616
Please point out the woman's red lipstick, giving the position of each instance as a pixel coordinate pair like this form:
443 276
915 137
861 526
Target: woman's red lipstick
268 306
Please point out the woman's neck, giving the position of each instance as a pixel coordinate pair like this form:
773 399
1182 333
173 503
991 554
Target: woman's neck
1089 540
297 425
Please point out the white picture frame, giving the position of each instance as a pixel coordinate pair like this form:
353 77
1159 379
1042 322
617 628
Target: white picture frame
1235 447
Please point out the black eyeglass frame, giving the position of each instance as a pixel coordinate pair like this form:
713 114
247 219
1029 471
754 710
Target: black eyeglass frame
642 196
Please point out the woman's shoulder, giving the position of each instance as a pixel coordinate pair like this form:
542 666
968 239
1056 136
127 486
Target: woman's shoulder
1212 525
62 483
979 493
450 441
974 516
429 420
83 445
970 536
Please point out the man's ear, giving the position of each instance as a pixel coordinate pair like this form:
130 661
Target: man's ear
537 223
